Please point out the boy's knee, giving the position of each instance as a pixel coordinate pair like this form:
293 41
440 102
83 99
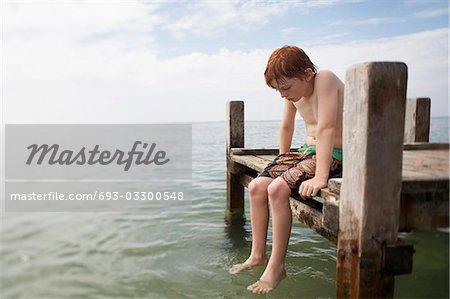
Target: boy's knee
278 188
255 187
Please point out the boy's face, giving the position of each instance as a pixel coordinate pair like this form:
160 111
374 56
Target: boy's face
293 89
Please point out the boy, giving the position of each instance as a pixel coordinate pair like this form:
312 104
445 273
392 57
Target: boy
318 97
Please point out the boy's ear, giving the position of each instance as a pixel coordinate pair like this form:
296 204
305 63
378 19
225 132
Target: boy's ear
309 74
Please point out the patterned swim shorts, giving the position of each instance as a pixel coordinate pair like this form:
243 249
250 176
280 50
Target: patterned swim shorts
297 167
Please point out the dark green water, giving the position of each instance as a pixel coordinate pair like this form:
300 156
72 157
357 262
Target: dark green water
185 252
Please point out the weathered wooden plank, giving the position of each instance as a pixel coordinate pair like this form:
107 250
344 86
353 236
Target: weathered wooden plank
427 162
425 167
418 211
330 213
328 194
236 168
335 185
311 218
235 139
253 162
425 146
423 171
424 211
417 187
428 169
268 158
410 184
257 151
374 105
254 151
415 177
417 120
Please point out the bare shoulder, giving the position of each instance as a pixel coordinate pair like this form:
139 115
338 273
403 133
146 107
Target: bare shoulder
327 83
326 78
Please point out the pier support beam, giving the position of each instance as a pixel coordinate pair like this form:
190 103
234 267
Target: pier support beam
235 139
374 115
417 120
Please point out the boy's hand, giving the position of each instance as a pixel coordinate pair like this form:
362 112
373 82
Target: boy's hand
311 187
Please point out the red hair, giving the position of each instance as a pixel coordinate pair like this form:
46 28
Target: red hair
287 62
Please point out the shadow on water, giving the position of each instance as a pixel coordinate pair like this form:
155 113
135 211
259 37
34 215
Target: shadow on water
236 233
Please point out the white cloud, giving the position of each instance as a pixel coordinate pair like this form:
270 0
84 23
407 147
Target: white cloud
378 21
291 31
425 53
366 22
210 17
432 13
50 77
326 39
76 19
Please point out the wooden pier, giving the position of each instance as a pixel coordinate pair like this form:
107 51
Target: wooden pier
393 180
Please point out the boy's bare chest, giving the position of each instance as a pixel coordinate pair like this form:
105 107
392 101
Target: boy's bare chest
307 110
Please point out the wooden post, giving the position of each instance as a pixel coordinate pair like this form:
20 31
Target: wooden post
374 114
235 139
417 120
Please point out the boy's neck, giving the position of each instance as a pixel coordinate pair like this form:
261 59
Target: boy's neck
310 89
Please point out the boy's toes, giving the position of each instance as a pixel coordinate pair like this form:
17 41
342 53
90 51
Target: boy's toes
260 287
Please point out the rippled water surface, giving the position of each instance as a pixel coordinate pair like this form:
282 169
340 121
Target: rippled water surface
185 251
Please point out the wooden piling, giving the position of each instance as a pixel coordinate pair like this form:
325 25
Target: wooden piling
417 120
235 139
374 114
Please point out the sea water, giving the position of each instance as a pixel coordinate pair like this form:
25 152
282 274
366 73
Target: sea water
185 251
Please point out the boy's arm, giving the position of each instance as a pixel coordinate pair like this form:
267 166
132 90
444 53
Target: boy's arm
326 125
327 94
287 126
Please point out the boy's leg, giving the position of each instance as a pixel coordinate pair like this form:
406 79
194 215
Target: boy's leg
259 215
279 193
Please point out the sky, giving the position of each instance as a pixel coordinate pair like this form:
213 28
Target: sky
107 61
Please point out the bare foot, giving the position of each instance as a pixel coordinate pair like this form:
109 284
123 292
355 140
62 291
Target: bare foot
249 263
269 280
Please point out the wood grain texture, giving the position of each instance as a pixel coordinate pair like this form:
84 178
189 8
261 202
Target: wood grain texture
417 120
235 139
374 114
